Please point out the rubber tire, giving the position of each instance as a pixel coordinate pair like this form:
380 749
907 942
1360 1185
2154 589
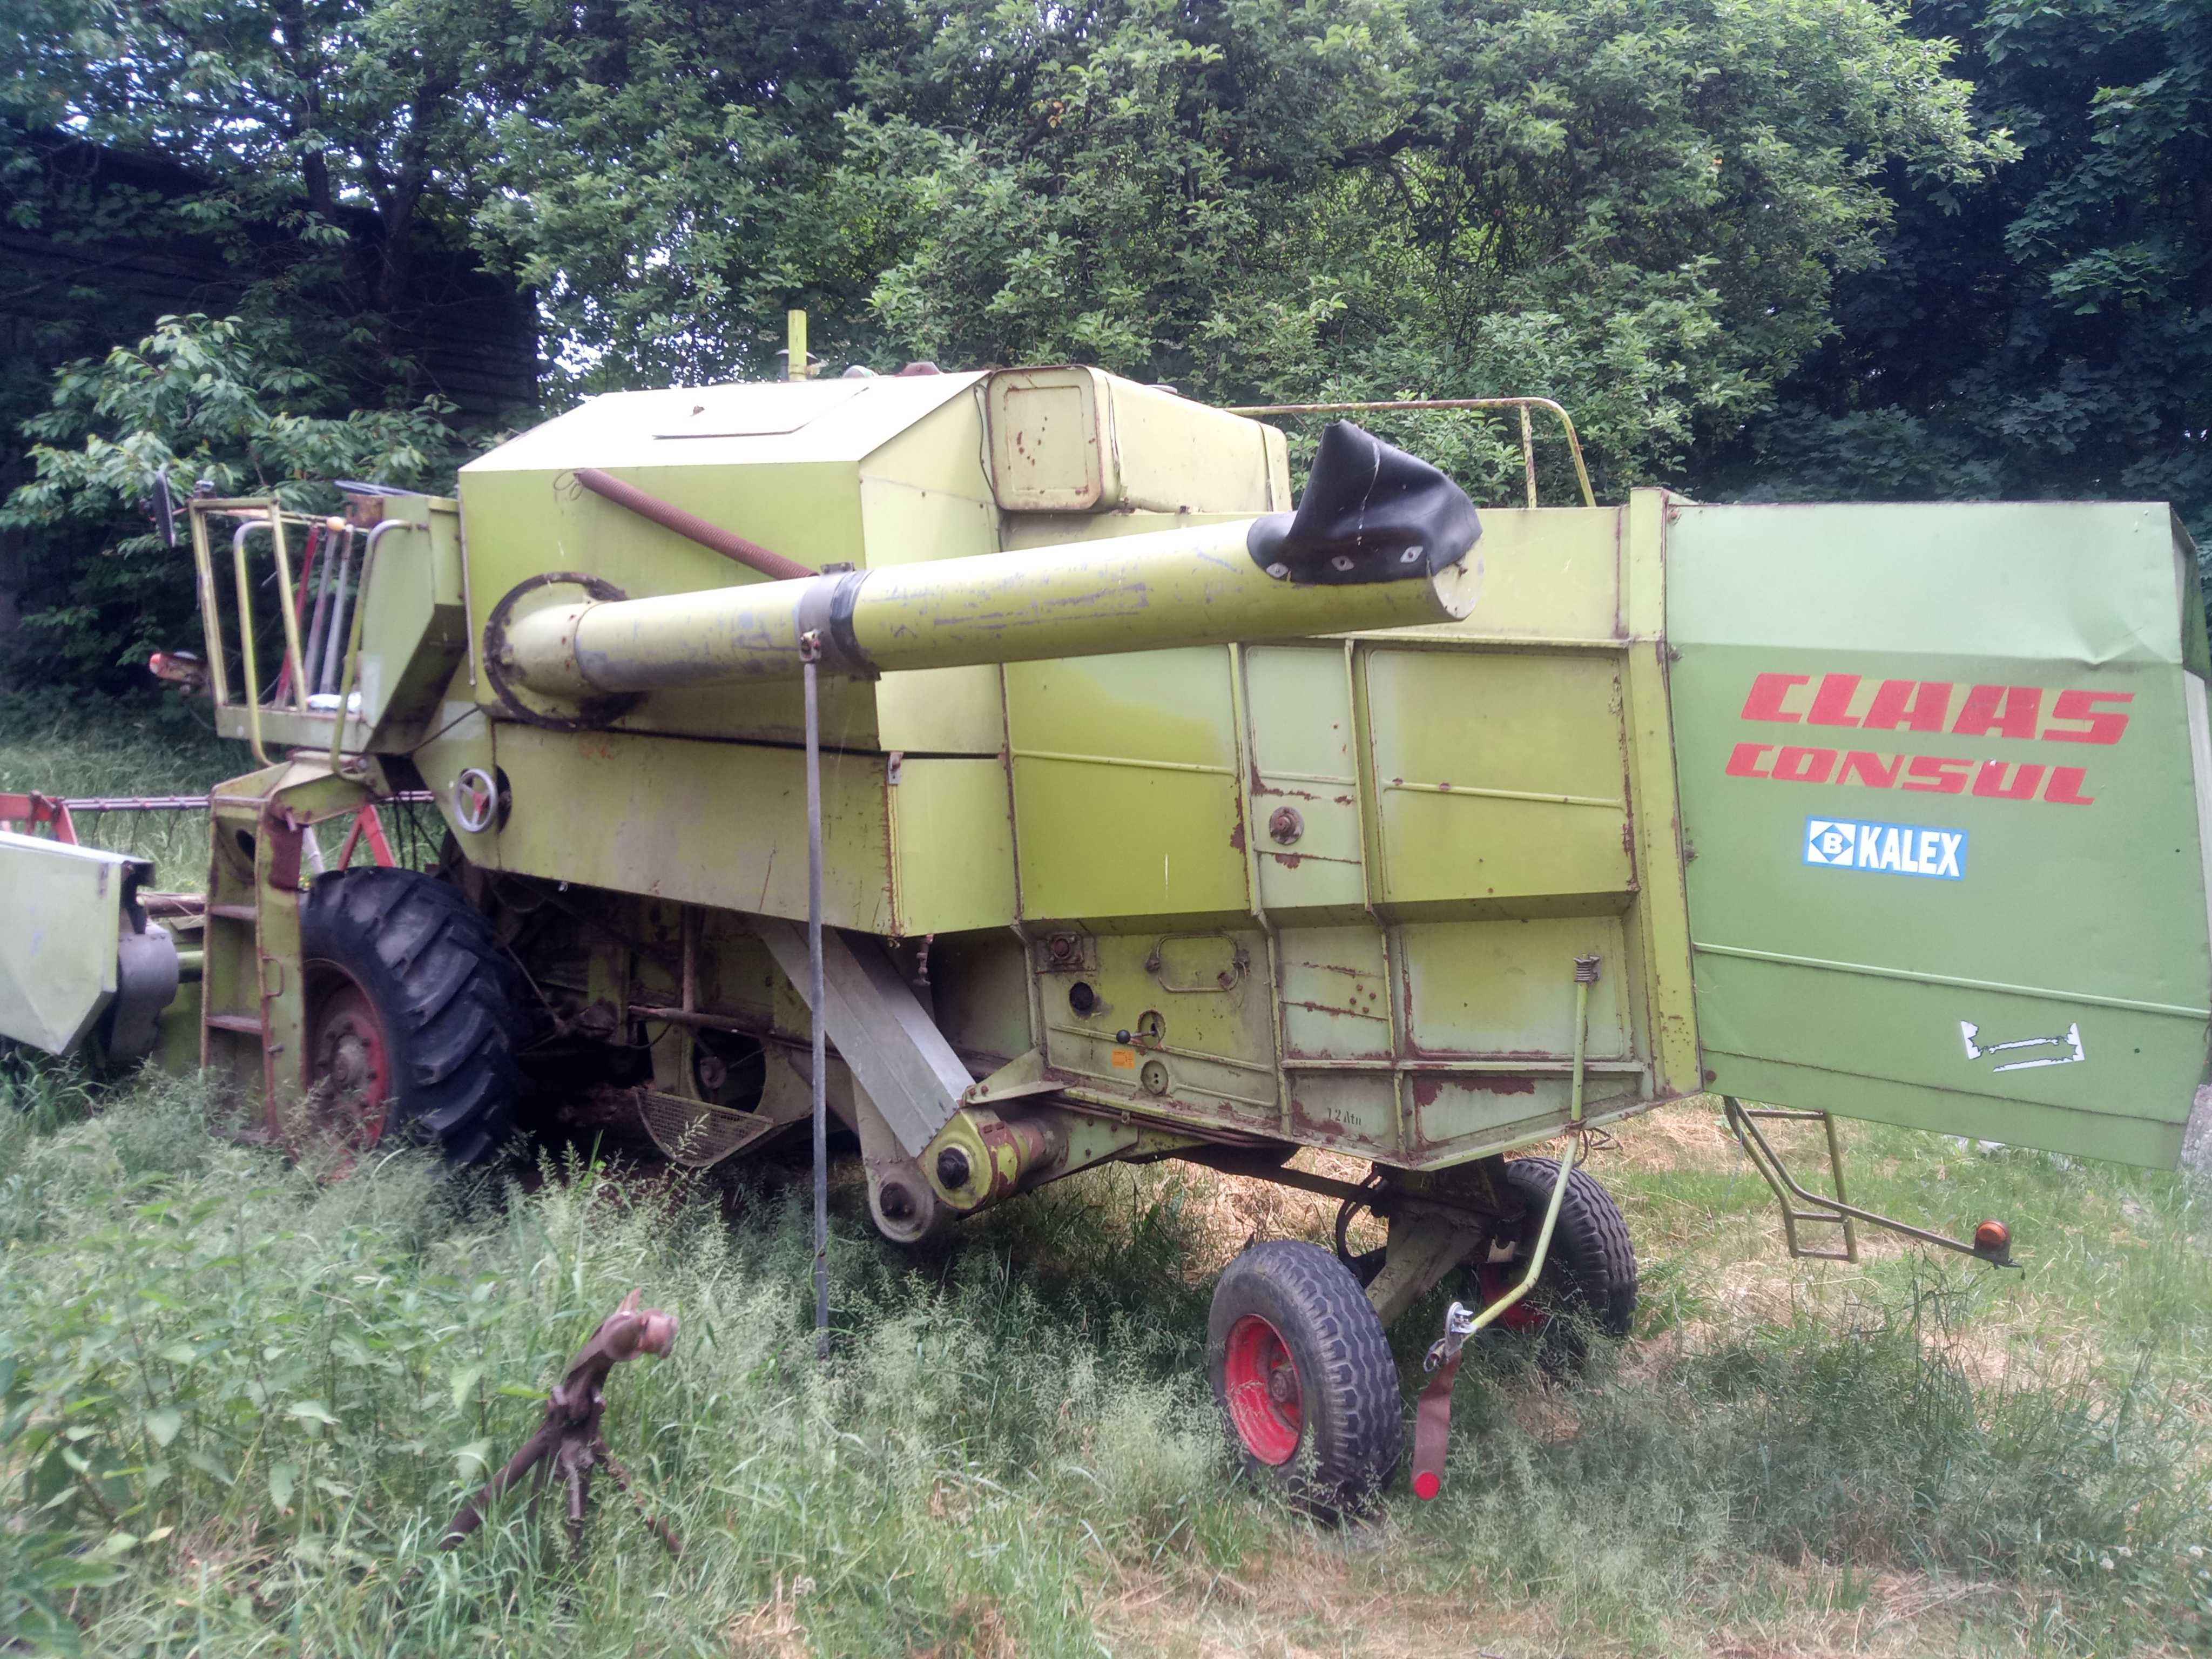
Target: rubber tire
450 1001
1590 1273
1352 1426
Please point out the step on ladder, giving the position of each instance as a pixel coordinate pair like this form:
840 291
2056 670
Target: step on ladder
1800 1208
252 1018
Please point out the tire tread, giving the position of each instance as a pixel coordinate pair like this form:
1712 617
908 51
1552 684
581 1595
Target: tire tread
439 974
1590 1244
1355 1414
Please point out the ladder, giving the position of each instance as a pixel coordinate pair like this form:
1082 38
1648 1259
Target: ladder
1800 1208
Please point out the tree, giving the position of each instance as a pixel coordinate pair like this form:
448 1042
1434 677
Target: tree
1640 207
205 400
322 146
664 184
1637 206
2047 331
306 114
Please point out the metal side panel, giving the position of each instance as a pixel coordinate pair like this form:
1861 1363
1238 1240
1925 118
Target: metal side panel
57 951
629 812
1938 770
879 1028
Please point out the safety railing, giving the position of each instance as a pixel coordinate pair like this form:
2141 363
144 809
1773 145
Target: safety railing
320 614
1520 406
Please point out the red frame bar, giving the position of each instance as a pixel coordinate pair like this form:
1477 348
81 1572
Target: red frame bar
33 810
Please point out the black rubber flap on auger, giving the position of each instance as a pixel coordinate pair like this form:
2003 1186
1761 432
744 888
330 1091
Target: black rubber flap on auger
1371 513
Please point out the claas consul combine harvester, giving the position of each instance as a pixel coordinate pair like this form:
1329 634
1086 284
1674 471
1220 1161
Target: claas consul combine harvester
1145 814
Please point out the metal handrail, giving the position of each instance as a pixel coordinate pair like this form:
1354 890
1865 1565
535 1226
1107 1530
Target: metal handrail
353 642
1409 405
265 513
245 636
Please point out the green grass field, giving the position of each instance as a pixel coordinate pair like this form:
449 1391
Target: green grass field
237 1407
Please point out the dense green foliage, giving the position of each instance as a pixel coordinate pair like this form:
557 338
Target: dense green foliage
1774 247
2048 333
209 402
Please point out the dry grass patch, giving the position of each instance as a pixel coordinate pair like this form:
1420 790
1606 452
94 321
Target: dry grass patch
1307 1599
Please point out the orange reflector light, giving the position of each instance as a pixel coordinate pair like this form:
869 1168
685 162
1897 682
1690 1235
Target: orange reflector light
1993 1238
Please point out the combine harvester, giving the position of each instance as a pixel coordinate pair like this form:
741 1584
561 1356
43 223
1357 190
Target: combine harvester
1144 817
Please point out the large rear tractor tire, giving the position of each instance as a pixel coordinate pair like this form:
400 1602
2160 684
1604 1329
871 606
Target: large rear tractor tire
1304 1378
414 1011
1589 1283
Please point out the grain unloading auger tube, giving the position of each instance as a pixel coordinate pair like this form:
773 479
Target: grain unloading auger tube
1381 540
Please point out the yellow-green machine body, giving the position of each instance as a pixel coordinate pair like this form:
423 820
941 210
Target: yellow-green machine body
1326 889
1012 769
1130 847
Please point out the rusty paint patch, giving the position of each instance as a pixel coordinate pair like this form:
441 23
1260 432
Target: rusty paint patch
1426 1089
1236 836
1499 1085
1330 1008
1328 1128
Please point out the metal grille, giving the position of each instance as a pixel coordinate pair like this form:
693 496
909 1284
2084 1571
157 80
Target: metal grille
694 1133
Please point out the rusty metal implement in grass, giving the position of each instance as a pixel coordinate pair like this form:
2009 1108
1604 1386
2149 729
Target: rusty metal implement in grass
568 1443
1013 770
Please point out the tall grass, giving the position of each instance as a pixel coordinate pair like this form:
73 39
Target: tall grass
1801 1457
79 747
240 1407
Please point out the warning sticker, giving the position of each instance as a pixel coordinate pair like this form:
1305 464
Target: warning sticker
1892 849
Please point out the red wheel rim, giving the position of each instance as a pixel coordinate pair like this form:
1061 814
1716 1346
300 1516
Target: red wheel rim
1494 1280
349 1064
1260 1382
